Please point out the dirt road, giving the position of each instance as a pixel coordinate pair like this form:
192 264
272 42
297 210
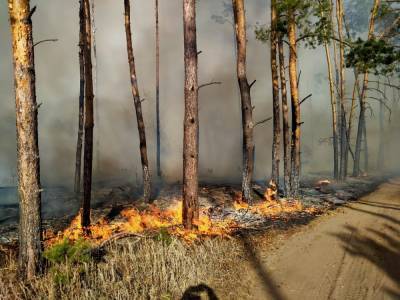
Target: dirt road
352 254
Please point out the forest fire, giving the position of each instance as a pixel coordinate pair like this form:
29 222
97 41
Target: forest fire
133 221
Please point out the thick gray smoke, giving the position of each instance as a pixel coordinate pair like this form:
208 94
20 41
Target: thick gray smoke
116 144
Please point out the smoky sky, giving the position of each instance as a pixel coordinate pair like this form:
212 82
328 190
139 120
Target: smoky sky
116 137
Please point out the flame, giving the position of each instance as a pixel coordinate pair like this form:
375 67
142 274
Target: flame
271 192
134 221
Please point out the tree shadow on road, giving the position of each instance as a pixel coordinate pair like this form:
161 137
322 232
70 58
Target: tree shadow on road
381 248
269 284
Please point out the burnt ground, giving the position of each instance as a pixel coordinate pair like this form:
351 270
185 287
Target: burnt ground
60 205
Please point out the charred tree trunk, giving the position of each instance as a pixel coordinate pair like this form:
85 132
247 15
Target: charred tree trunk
158 90
138 104
296 121
78 159
89 122
361 121
247 110
275 98
29 189
191 118
285 117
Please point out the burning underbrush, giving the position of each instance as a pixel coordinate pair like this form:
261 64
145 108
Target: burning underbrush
214 220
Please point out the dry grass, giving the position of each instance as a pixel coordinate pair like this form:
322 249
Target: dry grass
139 269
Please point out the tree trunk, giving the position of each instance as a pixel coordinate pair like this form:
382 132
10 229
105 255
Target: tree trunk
191 118
158 90
296 121
361 121
89 122
333 105
380 163
334 114
78 159
365 148
285 117
138 104
247 110
95 98
342 115
275 98
29 189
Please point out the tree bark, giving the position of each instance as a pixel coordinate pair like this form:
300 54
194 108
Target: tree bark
247 109
361 120
296 121
285 117
334 114
138 104
342 115
89 122
78 158
275 98
191 118
29 189
95 98
381 151
333 102
158 90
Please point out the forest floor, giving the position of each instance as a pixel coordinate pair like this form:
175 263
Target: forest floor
353 253
346 250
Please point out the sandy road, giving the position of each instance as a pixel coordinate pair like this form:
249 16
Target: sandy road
352 254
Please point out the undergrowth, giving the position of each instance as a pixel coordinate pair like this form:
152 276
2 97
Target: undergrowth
162 267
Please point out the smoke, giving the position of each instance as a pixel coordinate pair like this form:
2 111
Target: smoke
116 138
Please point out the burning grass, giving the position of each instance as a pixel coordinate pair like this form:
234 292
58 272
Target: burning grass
223 223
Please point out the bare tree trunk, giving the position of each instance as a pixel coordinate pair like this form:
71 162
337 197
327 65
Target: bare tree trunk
78 159
334 114
361 121
138 104
191 119
247 110
296 121
380 163
95 96
333 105
275 98
285 117
29 189
158 90
365 148
342 115
89 122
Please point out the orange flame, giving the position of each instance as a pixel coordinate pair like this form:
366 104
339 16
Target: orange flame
135 221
